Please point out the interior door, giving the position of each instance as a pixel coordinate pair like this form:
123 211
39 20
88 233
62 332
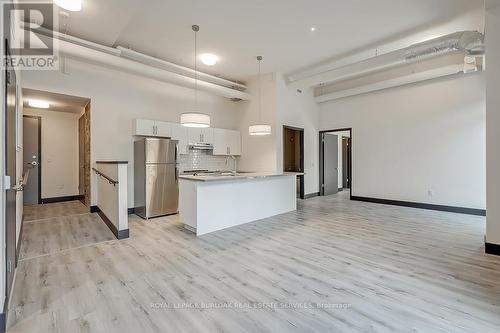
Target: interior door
331 164
346 162
31 159
10 170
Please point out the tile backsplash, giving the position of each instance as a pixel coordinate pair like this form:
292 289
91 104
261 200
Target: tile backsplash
204 160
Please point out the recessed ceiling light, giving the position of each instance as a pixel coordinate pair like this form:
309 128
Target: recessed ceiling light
313 29
209 59
36 103
71 5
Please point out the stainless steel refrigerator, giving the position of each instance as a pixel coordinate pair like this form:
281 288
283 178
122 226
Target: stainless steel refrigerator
156 186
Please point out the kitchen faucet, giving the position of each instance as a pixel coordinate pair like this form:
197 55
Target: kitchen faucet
234 164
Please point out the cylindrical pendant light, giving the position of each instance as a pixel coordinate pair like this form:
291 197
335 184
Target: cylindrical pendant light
259 129
71 5
195 119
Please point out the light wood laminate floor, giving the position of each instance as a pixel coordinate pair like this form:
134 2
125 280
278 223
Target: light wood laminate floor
331 266
35 213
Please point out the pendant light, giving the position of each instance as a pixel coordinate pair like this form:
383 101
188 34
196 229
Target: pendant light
195 119
259 129
71 5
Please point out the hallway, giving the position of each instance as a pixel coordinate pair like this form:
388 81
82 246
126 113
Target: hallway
53 228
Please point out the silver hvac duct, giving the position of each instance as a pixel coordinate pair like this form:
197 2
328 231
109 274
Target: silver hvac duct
468 42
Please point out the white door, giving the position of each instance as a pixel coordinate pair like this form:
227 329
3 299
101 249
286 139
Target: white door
144 127
180 133
163 129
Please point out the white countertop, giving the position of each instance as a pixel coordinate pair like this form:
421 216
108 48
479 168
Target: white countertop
238 176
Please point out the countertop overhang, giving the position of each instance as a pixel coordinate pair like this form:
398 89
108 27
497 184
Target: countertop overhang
241 176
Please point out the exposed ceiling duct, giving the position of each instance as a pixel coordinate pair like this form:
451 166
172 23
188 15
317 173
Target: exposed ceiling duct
465 42
468 42
426 69
136 63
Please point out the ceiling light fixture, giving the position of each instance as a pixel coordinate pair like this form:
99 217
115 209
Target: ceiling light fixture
259 129
36 103
71 5
209 59
195 119
313 29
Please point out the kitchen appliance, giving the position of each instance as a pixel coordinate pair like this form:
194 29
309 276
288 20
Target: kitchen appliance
156 185
201 146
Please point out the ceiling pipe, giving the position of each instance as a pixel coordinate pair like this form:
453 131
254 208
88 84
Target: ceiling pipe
104 59
89 52
466 42
171 67
455 69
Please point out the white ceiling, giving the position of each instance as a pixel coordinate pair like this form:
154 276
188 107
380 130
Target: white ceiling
58 102
238 30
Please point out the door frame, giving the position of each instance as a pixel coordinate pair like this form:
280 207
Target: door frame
301 143
8 228
39 155
322 161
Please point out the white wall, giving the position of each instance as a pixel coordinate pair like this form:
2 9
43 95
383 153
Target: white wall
280 106
59 152
258 153
299 109
410 140
492 121
118 98
112 199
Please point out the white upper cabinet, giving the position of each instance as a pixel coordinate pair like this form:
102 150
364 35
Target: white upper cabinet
200 135
144 127
180 134
147 127
220 144
234 140
226 142
163 129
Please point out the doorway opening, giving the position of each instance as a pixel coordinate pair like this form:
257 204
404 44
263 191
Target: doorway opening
335 161
293 155
56 148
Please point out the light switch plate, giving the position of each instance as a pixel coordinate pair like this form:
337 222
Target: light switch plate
6 182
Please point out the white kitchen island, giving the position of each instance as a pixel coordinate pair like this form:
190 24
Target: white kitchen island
209 203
